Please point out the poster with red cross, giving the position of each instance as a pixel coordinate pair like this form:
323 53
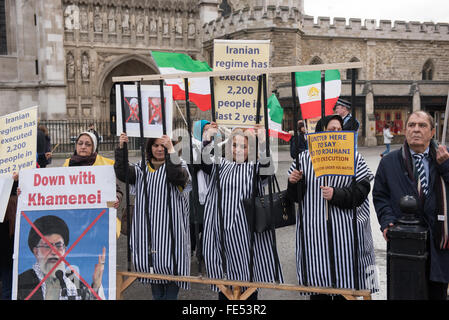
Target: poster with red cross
65 236
151 111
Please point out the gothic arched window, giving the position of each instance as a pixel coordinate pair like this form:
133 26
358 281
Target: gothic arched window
349 71
316 60
428 70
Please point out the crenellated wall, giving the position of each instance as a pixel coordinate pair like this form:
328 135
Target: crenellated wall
253 18
370 28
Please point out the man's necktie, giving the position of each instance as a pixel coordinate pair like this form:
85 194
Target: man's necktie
421 172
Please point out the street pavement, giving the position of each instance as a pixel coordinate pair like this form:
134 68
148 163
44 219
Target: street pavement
285 238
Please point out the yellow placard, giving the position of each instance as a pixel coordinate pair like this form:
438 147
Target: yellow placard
236 96
332 153
18 135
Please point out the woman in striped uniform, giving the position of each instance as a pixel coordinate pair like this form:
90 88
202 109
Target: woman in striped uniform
236 184
164 231
333 196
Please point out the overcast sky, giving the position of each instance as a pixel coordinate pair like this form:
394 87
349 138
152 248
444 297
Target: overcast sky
406 10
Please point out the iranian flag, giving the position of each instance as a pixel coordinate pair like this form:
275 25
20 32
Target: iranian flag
308 85
199 88
275 115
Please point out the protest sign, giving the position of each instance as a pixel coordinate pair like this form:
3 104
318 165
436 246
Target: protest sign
236 95
151 110
332 153
65 244
18 132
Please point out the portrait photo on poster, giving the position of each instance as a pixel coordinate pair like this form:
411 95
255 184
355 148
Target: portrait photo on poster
131 109
151 111
64 255
65 243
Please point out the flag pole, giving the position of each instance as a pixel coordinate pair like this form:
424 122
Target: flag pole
179 110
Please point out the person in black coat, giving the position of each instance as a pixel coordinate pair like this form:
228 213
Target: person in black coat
342 197
336 197
397 176
298 145
43 147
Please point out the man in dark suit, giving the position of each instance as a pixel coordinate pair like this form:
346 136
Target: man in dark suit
420 169
343 109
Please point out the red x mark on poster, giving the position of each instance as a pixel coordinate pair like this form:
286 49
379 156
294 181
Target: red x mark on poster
156 109
132 111
62 257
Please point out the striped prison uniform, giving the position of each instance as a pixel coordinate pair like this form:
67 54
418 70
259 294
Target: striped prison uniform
159 223
236 182
316 253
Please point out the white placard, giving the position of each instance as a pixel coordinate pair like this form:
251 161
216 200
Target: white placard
151 111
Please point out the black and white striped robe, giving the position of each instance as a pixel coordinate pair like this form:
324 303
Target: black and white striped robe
316 236
236 184
159 223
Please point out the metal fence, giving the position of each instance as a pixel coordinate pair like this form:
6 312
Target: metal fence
63 134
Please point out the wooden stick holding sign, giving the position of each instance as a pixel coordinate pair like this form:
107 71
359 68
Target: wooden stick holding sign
300 222
354 208
125 160
144 172
170 216
446 115
238 72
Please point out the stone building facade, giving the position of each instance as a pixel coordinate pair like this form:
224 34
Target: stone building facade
62 54
103 39
32 59
405 64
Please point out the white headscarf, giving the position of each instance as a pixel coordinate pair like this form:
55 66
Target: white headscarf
92 137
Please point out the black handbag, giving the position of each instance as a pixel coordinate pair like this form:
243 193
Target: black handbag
283 213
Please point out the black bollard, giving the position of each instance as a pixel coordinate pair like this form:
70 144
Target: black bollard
407 255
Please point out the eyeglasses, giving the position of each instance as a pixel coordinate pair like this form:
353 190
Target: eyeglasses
60 246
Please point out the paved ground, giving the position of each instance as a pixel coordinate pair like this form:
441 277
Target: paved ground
285 244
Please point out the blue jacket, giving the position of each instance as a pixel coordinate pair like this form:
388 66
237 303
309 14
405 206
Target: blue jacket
391 183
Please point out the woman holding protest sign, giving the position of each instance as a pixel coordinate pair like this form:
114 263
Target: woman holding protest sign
327 204
85 155
160 175
231 253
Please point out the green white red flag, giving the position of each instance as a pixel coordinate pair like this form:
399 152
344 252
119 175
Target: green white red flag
308 85
275 116
199 88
